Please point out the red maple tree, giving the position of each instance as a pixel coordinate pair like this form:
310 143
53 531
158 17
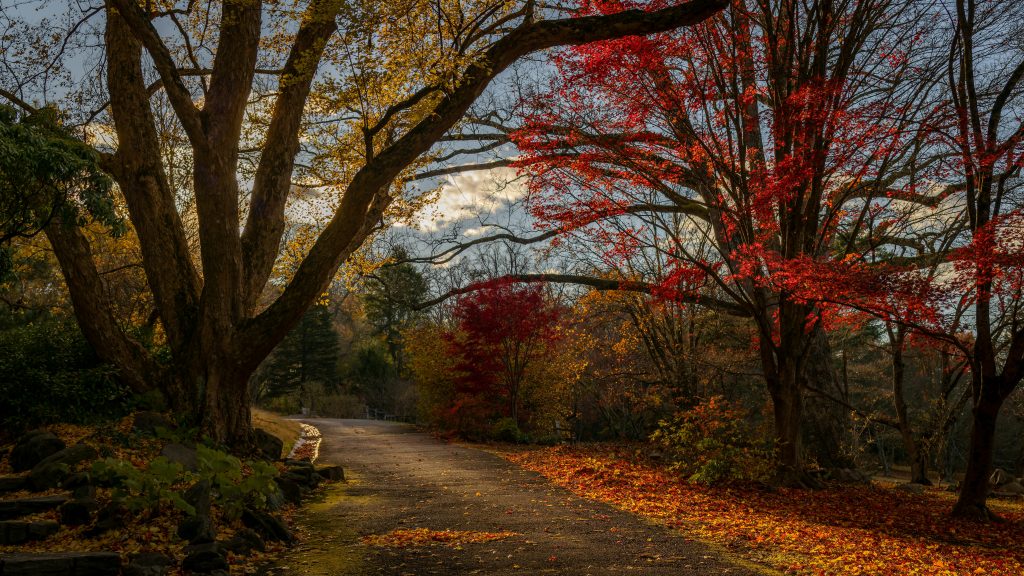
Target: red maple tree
503 328
745 152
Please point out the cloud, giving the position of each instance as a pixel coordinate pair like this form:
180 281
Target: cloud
468 195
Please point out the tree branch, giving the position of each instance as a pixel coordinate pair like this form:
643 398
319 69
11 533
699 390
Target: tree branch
336 242
264 225
179 96
602 284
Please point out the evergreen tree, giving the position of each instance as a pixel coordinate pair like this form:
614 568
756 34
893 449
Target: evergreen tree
390 297
307 356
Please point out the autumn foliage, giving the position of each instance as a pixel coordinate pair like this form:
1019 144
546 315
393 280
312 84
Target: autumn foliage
426 537
839 530
485 374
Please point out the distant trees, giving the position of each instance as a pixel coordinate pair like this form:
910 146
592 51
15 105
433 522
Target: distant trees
500 358
391 295
306 361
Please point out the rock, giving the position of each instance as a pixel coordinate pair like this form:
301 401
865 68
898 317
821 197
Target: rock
204 558
86 492
289 489
46 476
999 477
305 464
244 542
197 529
149 564
199 495
268 444
910 488
1014 487
182 455
275 500
15 532
56 468
12 483
332 473
78 512
61 564
110 517
150 422
33 448
267 525
77 480
24 506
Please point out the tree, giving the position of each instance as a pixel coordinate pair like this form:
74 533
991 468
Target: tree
741 151
505 330
308 355
408 84
390 299
47 177
989 153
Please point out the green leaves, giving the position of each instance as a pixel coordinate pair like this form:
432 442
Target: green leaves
235 485
144 490
47 173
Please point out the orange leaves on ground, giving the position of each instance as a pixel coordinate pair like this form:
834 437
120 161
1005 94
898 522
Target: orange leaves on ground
839 530
427 537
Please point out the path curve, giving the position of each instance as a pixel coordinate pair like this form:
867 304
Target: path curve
400 478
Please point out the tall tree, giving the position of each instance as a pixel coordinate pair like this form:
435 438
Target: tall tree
391 295
392 79
987 142
740 150
308 355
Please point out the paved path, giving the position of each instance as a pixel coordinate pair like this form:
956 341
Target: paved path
399 478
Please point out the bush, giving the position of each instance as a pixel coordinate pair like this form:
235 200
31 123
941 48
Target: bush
506 430
234 485
714 442
49 373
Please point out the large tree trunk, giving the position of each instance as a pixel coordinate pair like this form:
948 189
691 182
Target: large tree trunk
919 466
226 416
785 390
828 437
972 501
787 406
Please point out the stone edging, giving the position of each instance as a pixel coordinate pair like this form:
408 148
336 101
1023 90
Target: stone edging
308 444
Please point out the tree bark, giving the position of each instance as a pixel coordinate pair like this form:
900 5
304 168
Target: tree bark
94 310
787 408
972 501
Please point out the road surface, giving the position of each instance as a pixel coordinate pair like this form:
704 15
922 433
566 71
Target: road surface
400 478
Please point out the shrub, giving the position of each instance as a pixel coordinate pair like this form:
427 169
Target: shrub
506 430
49 373
234 484
144 490
714 442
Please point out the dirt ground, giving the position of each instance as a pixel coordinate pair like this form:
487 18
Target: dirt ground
401 479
